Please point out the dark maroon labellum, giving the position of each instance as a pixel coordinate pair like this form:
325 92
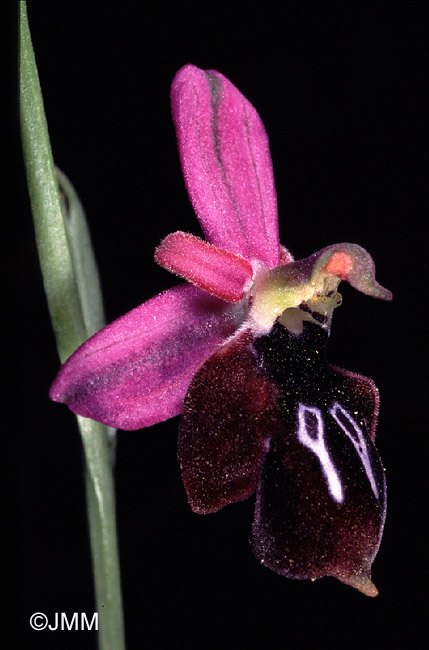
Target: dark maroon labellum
229 406
271 414
321 498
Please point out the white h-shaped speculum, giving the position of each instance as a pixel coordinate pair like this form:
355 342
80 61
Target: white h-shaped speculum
314 439
358 441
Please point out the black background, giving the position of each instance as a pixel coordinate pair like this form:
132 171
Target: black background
339 89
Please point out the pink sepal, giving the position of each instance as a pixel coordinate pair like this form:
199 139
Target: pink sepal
226 163
221 273
135 372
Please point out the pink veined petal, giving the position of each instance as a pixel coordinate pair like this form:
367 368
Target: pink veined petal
226 163
135 372
221 273
286 257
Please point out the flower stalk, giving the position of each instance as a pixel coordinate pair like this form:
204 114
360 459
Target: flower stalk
74 300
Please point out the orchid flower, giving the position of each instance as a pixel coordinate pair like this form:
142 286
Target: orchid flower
239 351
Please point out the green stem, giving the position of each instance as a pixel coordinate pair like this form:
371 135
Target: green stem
102 524
64 287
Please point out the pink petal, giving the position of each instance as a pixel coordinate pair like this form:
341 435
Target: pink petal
136 371
226 164
221 273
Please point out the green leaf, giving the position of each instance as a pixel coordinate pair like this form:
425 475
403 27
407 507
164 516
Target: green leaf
82 257
73 293
84 267
55 260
